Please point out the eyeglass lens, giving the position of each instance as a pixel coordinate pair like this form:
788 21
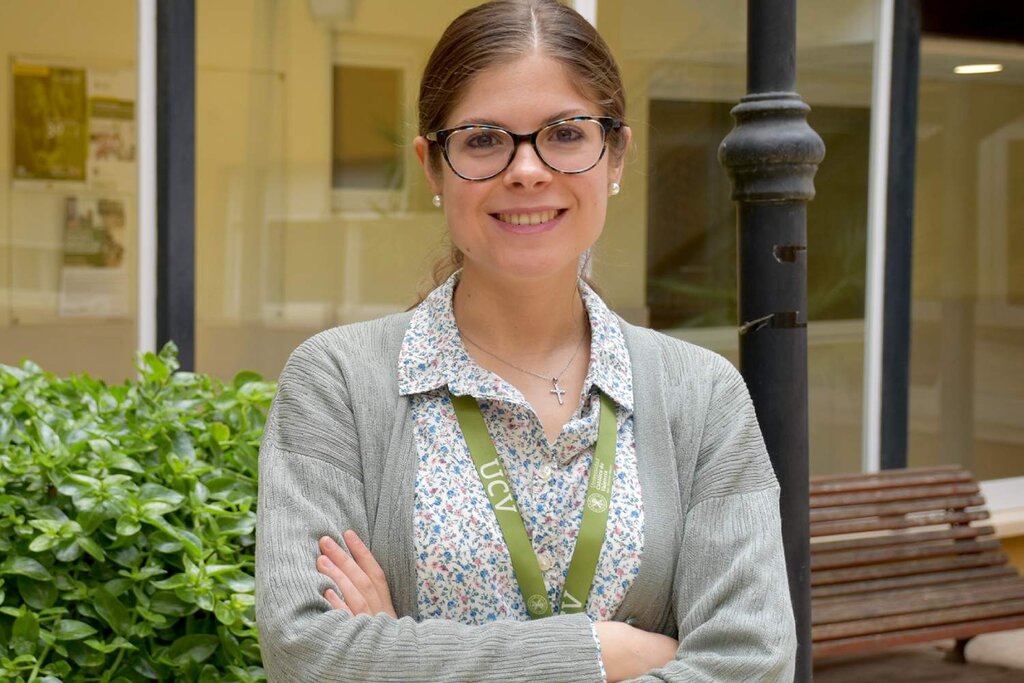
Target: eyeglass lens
567 146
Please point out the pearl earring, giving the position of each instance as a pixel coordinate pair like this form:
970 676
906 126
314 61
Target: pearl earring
436 200
614 189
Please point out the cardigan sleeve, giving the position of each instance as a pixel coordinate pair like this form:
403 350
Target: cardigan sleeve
310 485
731 594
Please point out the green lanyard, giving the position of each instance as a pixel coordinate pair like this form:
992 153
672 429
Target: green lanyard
580 578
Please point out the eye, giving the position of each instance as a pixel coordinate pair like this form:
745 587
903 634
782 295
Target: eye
484 139
567 133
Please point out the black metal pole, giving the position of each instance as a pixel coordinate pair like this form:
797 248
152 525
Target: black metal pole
175 158
772 155
899 232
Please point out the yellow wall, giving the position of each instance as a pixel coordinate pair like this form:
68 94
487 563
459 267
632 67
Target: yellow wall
1014 547
97 34
965 401
277 262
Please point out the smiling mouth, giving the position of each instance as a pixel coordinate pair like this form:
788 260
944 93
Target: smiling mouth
529 218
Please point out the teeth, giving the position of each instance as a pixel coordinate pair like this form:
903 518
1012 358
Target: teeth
527 218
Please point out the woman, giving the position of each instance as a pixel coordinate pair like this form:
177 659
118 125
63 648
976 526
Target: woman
529 488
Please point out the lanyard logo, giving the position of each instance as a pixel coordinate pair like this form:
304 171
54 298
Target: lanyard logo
597 502
538 605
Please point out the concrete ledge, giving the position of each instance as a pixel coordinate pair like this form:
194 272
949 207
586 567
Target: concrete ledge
1005 500
1008 523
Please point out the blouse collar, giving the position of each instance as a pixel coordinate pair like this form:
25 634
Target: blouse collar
433 354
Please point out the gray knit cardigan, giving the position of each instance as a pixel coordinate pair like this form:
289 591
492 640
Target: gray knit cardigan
338 453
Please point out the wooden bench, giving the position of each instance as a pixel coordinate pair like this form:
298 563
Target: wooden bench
898 557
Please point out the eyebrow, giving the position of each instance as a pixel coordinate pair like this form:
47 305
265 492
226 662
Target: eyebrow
564 114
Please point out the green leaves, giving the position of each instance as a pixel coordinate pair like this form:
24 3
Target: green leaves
127 516
112 611
158 371
72 629
192 649
25 633
24 566
37 594
158 500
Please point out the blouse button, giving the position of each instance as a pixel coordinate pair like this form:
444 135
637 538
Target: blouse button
545 562
545 473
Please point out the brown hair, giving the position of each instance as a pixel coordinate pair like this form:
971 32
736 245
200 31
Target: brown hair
498 32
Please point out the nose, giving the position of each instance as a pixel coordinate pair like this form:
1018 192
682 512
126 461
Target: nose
527 169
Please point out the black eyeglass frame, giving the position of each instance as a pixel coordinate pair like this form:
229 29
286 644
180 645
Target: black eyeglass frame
608 124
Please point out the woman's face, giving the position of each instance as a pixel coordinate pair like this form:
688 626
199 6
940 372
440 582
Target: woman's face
492 221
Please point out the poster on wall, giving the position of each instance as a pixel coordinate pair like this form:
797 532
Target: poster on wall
73 186
111 129
94 275
50 122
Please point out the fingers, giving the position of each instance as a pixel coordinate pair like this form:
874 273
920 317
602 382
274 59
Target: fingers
355 577
368 563
359 576
336 602
355 599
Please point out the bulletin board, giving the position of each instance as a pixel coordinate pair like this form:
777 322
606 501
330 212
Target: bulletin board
72 206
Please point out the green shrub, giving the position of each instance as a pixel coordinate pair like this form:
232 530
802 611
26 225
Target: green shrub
127 518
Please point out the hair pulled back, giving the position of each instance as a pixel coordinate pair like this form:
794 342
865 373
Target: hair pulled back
496 33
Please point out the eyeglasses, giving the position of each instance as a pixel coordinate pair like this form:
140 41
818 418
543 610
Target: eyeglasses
480 152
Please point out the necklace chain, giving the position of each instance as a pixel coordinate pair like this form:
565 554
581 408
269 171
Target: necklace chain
557 390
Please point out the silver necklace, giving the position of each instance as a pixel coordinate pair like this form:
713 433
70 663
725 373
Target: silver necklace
556 389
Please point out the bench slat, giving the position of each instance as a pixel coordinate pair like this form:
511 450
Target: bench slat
902 538
888 479
902 622
895 560
857 558
965 488
877 641
834 513
951 578
910 593
883 523
928 599
828 576
888 474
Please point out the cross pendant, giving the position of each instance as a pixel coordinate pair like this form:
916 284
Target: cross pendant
558 391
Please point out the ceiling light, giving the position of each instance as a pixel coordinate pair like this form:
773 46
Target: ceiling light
978 69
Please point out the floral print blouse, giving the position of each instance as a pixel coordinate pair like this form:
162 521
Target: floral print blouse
463 569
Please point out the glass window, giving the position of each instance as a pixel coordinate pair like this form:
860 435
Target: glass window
691 230
313 212
68 215
368 144
311 208
669 250
967 344
691 248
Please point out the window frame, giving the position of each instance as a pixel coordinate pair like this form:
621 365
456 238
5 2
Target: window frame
994 232
376 53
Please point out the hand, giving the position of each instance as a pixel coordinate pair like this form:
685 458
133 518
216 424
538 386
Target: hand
359 578
629 652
